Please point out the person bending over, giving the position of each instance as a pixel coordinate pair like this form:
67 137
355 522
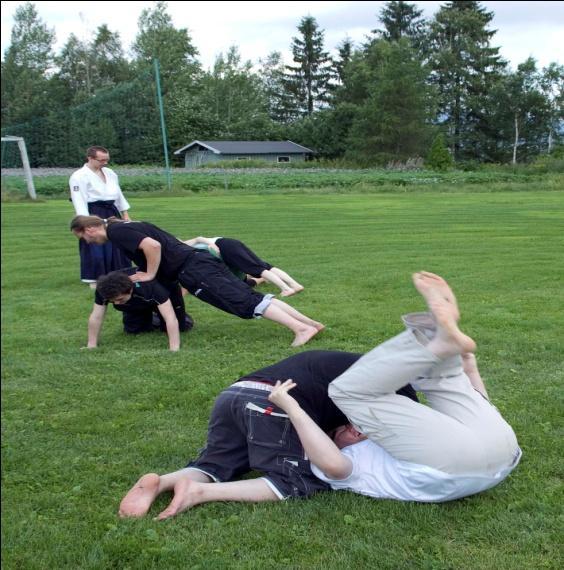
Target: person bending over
395 448
162 256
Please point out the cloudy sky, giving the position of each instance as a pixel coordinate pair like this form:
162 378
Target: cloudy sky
523 28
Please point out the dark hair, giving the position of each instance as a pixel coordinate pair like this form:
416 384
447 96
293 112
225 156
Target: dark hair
114 284
92 151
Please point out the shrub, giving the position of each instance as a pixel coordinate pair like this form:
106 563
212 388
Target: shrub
439 157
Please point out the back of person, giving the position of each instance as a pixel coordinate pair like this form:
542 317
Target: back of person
312 370
128 235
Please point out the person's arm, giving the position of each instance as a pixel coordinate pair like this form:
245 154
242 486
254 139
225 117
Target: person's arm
167 311
78 195
121 203
95 324
151 248
125 216
319 447
206 241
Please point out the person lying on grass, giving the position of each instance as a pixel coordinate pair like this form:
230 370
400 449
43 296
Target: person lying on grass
161 256
237 256
394 447
455 446
247 432
146 306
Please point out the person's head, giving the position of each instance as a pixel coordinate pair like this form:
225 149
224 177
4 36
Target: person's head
97 156
346 435
92 229
115 287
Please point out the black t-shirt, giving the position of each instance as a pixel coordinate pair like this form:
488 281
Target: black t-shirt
313 371
128 235
145 295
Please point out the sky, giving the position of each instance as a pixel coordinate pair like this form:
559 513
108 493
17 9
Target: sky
523 28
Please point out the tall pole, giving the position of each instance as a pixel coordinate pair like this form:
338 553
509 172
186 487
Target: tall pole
163 125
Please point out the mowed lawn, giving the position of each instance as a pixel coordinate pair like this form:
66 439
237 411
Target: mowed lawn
79 427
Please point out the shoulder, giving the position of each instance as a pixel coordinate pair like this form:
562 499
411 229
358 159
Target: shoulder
78 174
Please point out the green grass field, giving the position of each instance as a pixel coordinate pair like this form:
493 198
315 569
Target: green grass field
79 427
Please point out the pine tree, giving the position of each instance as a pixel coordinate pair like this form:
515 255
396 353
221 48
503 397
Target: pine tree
464 68
400 20
439 157
309 82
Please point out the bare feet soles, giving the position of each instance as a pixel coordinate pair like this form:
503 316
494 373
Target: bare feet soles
306 334
140 497
443 287
292 291
450 339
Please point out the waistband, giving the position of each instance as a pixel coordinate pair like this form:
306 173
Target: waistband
253 385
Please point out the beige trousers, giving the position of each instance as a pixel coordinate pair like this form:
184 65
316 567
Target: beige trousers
458 432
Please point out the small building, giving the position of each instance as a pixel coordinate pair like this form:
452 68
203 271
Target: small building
203 152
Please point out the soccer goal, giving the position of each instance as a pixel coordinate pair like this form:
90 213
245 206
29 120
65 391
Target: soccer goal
25 162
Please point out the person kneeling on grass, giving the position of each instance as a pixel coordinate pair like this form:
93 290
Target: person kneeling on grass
395 448
146 306
238 257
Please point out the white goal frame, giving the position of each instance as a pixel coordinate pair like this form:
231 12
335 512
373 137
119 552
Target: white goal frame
25 164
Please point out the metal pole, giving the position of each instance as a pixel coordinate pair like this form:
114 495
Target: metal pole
163 126
26 168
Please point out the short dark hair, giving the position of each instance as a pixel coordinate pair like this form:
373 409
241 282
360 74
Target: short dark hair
92 151
114 284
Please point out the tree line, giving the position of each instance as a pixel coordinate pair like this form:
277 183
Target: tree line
414 86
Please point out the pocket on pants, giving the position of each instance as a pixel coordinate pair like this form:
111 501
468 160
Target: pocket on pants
267 425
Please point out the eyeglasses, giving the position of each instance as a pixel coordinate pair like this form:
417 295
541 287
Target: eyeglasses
102 159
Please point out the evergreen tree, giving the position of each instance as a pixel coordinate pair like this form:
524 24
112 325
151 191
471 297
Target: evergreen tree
344 51
309 82
439 157
279 101
110 64
400 20
464 68
393 122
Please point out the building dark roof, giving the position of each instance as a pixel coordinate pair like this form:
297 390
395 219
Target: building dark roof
248 147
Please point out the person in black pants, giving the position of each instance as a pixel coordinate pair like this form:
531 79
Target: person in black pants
162 256
248 433
239 257
146 306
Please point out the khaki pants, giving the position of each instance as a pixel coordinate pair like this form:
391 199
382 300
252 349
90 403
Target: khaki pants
458 432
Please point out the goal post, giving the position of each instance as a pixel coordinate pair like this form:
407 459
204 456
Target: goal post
25 163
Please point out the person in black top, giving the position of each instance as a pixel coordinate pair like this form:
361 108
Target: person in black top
146 306
162 256
247 432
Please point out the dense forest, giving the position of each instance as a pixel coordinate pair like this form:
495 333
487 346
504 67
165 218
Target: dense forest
436 89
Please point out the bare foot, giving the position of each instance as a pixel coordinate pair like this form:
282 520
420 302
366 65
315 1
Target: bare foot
305 335
319 326
442 286
449 340
297 288
186 495
140 497
287 293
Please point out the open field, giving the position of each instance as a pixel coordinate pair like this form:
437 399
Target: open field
79 427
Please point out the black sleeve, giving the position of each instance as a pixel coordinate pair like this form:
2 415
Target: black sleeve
99 300
126 236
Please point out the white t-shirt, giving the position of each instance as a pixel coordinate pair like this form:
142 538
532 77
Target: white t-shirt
377 474
86 186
